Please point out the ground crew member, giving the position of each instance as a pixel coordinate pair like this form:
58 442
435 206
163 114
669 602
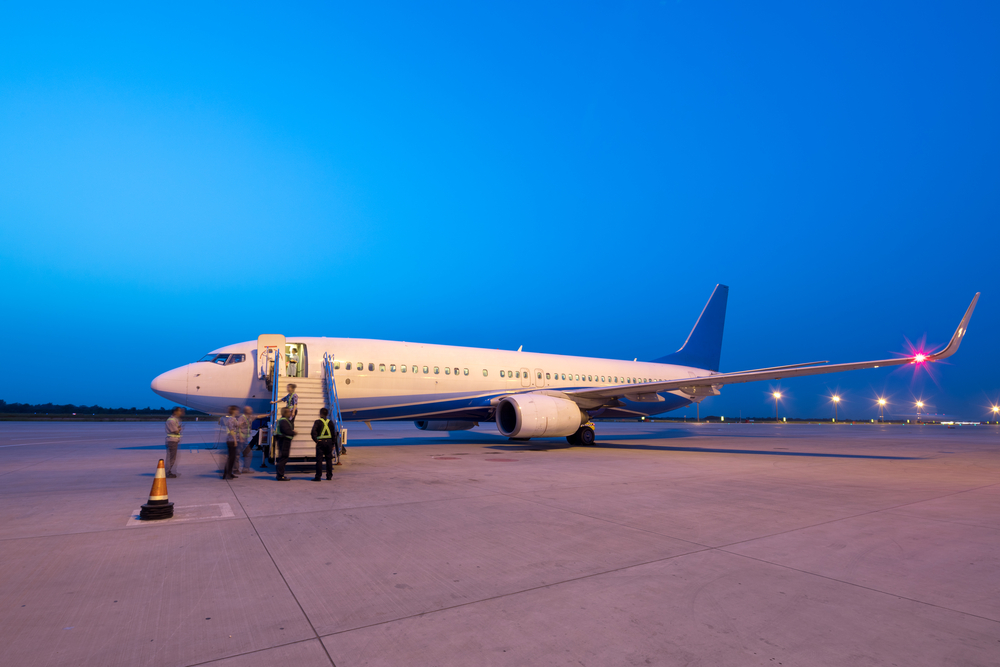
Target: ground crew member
324 434
231 423
245 422
291 401
174 428
283 434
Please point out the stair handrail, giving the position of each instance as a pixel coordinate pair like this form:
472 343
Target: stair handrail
330 384
274 408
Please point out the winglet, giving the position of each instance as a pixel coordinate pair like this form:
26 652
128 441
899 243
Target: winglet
956 339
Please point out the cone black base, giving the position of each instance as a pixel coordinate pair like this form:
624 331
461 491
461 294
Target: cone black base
153 512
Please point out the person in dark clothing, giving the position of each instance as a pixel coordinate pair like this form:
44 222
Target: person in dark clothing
283 434
231 424
324 434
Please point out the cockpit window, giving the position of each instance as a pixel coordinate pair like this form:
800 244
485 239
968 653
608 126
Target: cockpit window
235 359
217 358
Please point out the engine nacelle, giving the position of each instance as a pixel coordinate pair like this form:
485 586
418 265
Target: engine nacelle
537 415
444 425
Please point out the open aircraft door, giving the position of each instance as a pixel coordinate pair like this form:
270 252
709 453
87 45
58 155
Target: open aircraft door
270 355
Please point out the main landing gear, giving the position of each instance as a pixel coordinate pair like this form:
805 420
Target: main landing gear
584 436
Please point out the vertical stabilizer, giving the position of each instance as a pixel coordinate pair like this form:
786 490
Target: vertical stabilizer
703 346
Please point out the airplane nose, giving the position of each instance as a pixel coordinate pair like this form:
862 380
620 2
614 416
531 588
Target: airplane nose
172 384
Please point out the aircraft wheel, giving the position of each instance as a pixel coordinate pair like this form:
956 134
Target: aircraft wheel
573 439
586 436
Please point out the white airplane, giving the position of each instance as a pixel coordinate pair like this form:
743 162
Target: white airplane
447 388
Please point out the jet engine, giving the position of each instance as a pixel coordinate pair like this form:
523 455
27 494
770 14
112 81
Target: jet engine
537 415
444 425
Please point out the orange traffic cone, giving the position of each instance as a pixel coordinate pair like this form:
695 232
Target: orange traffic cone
158 506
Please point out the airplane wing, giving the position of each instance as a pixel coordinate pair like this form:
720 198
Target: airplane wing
646 391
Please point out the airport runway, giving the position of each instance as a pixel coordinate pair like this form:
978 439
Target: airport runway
666 544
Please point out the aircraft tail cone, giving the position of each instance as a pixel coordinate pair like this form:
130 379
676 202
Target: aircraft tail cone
158 507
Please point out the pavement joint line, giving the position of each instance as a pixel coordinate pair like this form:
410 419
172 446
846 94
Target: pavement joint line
519 592
282 575
854 516
857 585
258 650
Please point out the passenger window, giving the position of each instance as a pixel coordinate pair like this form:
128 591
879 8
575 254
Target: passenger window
371 366
510 374
447 371
392 368
616 378
501 374
486 373
517 374
456 371
415 369
563 376
336 365
425 370
360 366
347 366
546 376
539 374
465 371
402 369
381 368
436 370
588 379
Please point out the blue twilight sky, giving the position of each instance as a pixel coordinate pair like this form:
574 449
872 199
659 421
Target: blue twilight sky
571 177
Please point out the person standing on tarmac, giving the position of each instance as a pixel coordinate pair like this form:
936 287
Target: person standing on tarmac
283 434
324 435
245 421
231 423
291 401
174 429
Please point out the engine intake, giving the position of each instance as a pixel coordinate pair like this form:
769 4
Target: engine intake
444 425
538 415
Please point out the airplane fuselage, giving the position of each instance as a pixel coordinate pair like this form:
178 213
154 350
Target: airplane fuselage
389 380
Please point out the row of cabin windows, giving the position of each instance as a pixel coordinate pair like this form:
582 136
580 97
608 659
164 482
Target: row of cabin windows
569 377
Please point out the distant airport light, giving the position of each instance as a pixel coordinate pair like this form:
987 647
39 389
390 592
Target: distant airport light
920 404
777 394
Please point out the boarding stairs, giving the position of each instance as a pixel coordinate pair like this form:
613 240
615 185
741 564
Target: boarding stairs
314 393
311 399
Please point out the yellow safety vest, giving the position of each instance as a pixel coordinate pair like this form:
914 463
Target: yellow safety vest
325 434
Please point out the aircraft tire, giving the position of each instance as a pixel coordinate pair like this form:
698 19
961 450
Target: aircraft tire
573 439
586 436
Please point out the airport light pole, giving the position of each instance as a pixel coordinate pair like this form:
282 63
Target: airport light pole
920 404
881 406
995 409
776 395
836 402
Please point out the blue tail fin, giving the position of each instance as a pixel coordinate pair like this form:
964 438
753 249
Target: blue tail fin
703 346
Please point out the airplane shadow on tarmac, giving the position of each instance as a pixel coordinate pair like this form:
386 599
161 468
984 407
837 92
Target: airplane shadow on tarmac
491 441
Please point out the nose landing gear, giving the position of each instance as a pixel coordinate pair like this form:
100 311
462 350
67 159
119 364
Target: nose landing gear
584 436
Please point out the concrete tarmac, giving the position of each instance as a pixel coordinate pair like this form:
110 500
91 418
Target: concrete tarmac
665 544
